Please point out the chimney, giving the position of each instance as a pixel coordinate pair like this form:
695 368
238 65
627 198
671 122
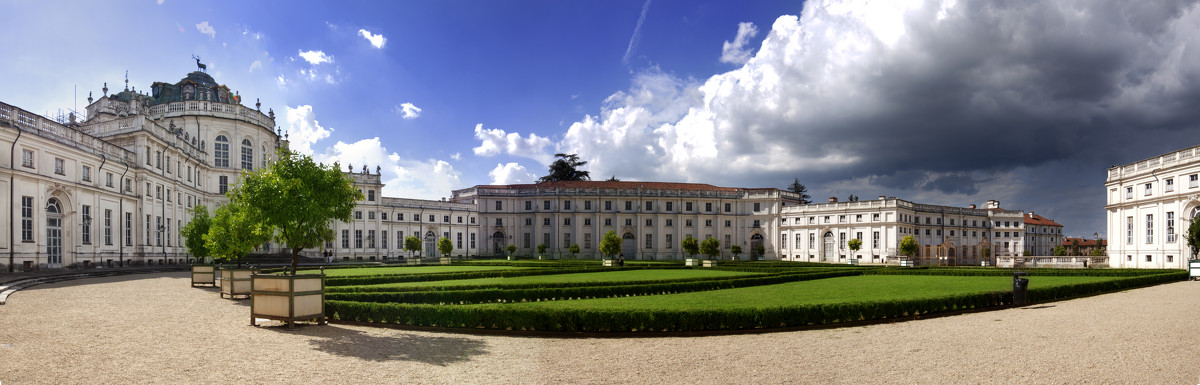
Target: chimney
882 197
993 204
971 205
1030 215
832 199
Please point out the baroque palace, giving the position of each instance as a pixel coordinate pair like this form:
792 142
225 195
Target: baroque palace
1151 203
115 187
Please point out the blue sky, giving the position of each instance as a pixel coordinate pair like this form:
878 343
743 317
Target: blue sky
935 101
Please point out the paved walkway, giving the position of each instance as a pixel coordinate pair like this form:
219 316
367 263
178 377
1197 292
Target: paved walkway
155 328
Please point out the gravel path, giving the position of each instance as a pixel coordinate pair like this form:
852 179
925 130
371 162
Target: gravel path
156 329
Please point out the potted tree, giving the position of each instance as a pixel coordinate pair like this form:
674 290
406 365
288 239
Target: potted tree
610 246
574 250
854 244
203 273
511 249
908 249
233 234
412 244
760 253
986 253
296 198
691 247
541 250
712 248
735 250
445 247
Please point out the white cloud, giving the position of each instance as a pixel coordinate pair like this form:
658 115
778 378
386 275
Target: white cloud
405 178
408 111
511 173
281 80
304 130
456 156
206 29
316 57
376 40
735 52
495 142
331 26
257 64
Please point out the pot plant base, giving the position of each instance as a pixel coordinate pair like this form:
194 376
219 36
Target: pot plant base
204 275
288 298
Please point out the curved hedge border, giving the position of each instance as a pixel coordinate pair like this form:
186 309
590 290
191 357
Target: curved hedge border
467 297
992 272
672 320
532 285
454 275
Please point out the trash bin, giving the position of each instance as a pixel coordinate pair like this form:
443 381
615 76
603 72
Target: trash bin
1019 287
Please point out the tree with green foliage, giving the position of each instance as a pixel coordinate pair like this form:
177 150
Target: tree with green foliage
444 246
574 250
760 252
852 198
1075 247
297 199
1193 236
711 247
735 250
854 244
234 232
610 244
511 249
566 168
691 246
193 233
908 246
1060 251
412 244
985 252
541 249
800 190
1096 252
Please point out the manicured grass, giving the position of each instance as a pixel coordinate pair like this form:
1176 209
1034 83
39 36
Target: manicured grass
870 288
363 271
607 276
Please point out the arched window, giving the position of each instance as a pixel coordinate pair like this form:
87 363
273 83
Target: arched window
263 160
221 150
247 155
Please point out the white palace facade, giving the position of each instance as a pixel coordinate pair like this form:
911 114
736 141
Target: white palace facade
1151 203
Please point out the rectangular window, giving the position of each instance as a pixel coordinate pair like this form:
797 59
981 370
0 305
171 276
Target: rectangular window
528 240
1129 193
649 241
799 239
545 221
707 207
607 205
59 166
222 184
528 205
708 223
842 241
399 216
345 239
782 241
370 215
628 221
608 221
756 224
841 219
858 218
158 234
687 206
158 159
587 221
728 223
371 239
472 241
128 229
108 179
1129 230
756 206
567 205
27 158
687 223
458 241
812 240
358 239
669 206
649 206
1193 180
874 217
1171 227
670 223
667 238
498 206
875 240
546 205
168 164
566 221
431 218
26 219
371 195
460 219
649 222
399 239
1149 189
107 226
87 225
358 215
587 205
383 240
1149 258
87 174
1149 228
628 205
446 219
587 240
1169 185
728 207
383 216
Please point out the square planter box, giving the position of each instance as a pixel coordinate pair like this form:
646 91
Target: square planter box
710 263
691 262
445 260
288 298
413 261
236 282
204 275
610 262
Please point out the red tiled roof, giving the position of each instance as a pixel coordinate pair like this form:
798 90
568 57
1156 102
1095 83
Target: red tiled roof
1034 219
1083 242
589 184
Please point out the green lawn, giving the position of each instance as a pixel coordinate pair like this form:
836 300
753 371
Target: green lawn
833 290
606 276
387 270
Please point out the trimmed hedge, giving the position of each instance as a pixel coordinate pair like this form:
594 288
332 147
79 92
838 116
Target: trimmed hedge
1046 294
532 285
466 297
593 320
455 275
993 272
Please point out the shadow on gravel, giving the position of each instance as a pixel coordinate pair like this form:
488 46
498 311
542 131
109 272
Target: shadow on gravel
181 276
428 349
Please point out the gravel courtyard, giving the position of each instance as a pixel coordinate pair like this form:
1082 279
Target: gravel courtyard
155 328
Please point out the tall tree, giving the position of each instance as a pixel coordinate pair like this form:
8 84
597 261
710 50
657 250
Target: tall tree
854 244
412 243
1193 236
710 247
566 168
444 246
691 246
800 190
735 250
193 232
297 198
908 246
